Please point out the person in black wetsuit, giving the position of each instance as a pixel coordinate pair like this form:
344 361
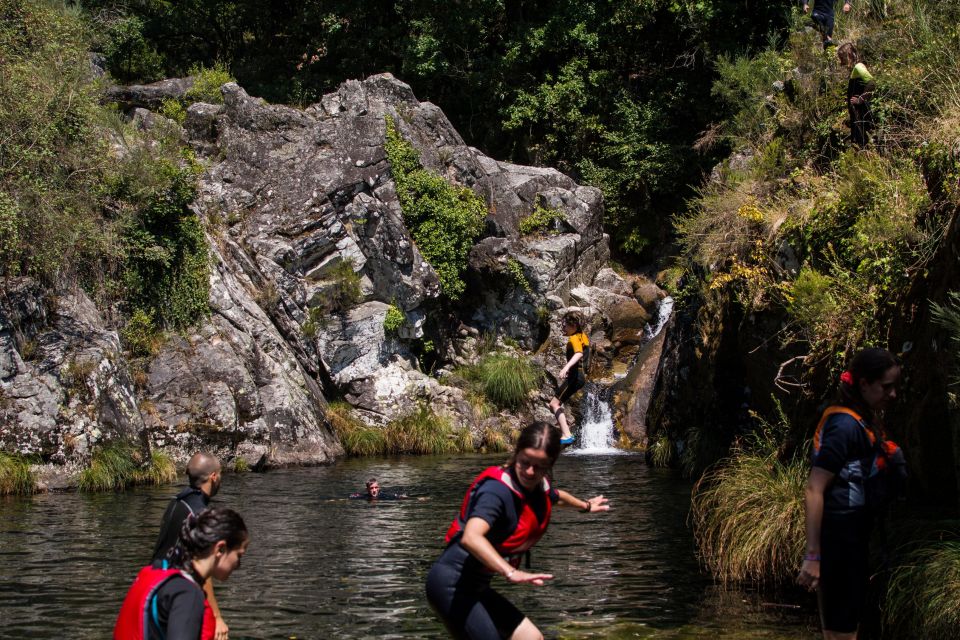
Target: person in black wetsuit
504 513
854 470
823 17
166 601
375 493
571 377
204 474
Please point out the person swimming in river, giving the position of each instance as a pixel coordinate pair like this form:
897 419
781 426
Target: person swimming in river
505 511
571 377
374 492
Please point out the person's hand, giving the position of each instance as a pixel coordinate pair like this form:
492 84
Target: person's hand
855 100
563 373
809 575
846 7
222 631
516 577
598 503
806 8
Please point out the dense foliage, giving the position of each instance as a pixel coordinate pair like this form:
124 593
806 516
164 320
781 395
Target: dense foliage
444 219
613 92
112 216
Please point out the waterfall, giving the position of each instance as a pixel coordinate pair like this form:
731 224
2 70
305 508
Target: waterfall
596 430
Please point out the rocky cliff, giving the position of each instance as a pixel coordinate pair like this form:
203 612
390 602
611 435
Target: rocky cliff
292 200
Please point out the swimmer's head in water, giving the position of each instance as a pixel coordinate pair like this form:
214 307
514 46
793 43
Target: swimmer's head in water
373 487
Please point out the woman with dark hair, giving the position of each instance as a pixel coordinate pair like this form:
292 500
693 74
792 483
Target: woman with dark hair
166 600
571 377
505 512
854 470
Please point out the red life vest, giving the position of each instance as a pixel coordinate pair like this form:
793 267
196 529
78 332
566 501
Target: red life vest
138 607
529 529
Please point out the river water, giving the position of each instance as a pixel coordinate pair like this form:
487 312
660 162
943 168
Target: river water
322 566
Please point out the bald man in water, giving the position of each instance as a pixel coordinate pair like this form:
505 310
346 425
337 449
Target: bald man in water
203 472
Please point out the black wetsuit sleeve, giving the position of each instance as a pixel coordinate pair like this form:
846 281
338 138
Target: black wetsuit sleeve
170 525
180 609
837 440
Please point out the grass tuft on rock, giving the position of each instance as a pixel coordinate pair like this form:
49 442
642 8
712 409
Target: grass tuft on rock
504 379
15 475
425 432
748 517
923 597
357 438
119 464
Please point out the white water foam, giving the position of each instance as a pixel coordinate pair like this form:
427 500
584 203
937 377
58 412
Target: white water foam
597 433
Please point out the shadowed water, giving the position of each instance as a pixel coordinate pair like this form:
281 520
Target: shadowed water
321 566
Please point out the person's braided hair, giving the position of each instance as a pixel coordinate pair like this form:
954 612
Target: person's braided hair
199 535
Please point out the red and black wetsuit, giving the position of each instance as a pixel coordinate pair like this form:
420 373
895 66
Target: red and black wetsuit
458 585
164 604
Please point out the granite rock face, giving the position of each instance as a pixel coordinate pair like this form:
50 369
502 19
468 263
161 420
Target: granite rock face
309 254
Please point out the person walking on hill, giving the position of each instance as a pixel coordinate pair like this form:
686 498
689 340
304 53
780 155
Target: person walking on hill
203 473
859 91
571 377
823 18
855 471
166 601
504 513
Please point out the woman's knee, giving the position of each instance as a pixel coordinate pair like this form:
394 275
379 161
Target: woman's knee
526 631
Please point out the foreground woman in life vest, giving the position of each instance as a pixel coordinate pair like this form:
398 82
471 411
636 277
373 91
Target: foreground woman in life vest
505 511
855 469
166 600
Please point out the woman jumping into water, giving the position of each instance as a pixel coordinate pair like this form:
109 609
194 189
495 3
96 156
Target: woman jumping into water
505 512
166 600
571 378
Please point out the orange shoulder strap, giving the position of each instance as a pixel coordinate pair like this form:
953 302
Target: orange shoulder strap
834 410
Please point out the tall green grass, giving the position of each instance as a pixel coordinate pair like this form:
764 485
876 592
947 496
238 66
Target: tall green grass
505 380
420 432
748 517
119 464
923 596
15 475
425 432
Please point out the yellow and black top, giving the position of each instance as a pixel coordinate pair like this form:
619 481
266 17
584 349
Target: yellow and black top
578 343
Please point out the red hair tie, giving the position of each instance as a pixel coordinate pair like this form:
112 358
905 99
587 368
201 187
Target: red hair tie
846 378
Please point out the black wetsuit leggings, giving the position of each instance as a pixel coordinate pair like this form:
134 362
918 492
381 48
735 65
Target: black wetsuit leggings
823 16
470 609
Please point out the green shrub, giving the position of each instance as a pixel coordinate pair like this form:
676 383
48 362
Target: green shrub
810 300
542 219
129 57
344 289
923 596
394 319
443 219
16 478
357 438
505 380
661 452
515 269
119 464
207 83
748 517
425 432
174 109
140 336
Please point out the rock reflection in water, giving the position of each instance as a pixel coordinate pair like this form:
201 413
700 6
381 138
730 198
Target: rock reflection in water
322 566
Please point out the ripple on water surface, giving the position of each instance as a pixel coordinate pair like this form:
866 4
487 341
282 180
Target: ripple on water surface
322 566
